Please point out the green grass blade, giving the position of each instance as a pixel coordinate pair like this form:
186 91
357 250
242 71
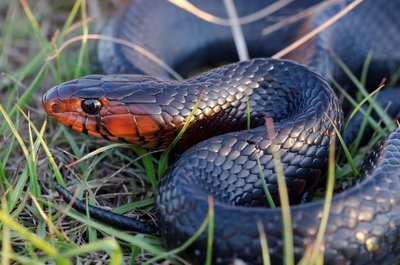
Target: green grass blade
210 235
72 14
185 245
74 146
23 232
83 52
148 165
134 205
33 22
316 250
32 165
28 170
395 79
362 102
248 111
48 153
371 121
27 95
138 240
99 151
385 118
270 201
345 149
18 190
5 185
107 244
25 260
5 155
5 240
356 144
32 65
15 132
163 163
364 71
134 254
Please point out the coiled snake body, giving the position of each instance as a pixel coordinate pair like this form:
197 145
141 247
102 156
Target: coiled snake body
150 110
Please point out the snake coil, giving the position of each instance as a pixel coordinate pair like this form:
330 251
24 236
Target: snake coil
149 108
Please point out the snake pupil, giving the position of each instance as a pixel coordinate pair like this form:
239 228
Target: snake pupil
91 106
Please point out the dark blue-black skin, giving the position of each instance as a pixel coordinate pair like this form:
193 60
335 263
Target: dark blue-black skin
364 222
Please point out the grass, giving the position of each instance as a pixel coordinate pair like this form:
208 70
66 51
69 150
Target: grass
35 226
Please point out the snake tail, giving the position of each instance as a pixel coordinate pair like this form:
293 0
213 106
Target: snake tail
107 217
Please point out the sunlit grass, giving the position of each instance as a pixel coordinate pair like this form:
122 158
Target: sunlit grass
264 244
288 253
314 255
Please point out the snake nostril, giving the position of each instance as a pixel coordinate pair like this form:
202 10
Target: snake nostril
54 107
51 107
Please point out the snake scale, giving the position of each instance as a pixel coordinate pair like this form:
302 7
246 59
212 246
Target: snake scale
148 107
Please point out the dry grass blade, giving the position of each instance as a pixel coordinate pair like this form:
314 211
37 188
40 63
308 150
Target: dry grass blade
317 30
237 32
263 243
315 254
264 12
283 195
298 16
187 6
122 42
78 25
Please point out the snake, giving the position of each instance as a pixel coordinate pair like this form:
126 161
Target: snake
238 115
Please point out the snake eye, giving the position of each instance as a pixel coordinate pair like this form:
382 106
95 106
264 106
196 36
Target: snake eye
91 106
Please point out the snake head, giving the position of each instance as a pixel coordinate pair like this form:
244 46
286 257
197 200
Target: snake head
110 107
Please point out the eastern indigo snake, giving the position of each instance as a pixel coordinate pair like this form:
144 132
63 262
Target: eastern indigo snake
150 109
